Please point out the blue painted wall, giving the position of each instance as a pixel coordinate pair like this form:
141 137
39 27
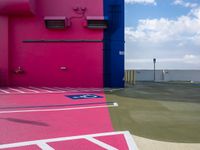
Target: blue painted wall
114 44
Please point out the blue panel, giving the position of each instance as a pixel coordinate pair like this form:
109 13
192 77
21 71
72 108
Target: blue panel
83 96
114 44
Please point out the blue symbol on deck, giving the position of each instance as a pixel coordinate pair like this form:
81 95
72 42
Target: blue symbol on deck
83 96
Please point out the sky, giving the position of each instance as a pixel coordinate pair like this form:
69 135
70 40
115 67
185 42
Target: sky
168 30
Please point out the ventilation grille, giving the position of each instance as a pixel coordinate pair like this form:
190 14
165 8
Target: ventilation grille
55 23
97 22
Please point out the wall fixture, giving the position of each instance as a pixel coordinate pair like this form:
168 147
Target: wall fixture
56 22
96 22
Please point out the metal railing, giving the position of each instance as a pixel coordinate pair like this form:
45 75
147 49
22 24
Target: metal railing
130 76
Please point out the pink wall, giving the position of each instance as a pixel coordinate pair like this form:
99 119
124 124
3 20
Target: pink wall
4 75
16 7
41 62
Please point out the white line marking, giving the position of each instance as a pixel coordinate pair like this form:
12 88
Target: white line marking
61 109
73 89
58 88
34 91
101 144
53 89
97 90
28 143
16 90
115 104
79 89
44 146
4 91
130 142
40 89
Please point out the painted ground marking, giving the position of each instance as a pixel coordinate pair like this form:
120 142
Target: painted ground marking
28 89
4 91
90 137
17 90
84 96
61 109
40 89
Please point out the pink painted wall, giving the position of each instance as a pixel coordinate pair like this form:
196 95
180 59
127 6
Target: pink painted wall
16 7
4 65
41 62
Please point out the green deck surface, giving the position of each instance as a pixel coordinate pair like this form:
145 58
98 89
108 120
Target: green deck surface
159 111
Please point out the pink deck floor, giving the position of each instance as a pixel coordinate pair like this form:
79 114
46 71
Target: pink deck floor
32 117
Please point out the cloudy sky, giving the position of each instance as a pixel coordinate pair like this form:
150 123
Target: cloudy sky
168 30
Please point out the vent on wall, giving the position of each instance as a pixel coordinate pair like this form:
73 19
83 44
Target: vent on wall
56 22
97 22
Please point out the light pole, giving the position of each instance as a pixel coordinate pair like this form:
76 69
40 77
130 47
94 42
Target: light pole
154 64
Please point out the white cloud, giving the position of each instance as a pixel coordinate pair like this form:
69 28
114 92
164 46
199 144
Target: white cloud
174 42
141 2
191 59
182 30
185 4
195 12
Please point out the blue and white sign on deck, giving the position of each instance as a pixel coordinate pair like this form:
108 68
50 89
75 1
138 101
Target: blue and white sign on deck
83 96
